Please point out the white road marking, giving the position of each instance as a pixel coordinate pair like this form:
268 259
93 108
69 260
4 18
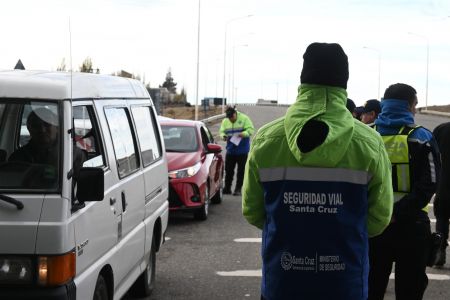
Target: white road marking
258 273
167 238
242 273
248 240
430 276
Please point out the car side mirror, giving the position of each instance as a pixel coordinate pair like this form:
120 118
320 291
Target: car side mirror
90 184
214 148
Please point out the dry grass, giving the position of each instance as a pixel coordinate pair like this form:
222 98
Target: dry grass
188 113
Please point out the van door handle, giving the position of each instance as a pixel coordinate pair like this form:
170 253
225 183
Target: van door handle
112 201
124 202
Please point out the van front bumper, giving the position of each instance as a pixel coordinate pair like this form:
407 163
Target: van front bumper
65 292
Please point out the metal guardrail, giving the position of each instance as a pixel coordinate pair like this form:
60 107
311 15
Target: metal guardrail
435 113
213 118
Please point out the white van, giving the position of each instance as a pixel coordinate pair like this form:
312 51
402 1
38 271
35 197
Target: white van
83 186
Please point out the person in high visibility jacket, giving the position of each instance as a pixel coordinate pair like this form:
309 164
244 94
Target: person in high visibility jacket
317 182
415 158
442 200
236 129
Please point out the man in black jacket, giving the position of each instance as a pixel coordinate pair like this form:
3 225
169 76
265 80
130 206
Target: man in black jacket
415 168
442 199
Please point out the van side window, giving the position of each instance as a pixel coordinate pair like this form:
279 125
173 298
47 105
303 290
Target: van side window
147 132
86 136
123 139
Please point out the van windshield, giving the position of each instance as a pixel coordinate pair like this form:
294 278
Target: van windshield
179 138
30 147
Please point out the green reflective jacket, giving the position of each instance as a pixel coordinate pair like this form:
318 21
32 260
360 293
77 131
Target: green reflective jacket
350 144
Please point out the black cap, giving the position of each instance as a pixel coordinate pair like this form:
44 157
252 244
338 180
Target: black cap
325 64
372 105
230 112
351 105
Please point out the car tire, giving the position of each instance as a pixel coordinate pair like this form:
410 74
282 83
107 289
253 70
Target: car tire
144 285
217 199
202 213
101 289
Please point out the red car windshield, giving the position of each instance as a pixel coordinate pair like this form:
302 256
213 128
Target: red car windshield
180 138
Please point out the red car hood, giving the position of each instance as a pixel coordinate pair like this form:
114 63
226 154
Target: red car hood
181 160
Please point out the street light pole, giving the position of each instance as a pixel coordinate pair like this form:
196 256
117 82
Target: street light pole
428 63
379 67
225 57
198 62
232 73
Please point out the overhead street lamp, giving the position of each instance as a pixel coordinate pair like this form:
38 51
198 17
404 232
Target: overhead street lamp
225 56
379 67
428 62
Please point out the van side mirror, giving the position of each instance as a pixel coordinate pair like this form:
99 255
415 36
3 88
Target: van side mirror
90 184
214 148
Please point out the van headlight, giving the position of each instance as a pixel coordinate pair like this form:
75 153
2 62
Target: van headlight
52 270
187 172
16 270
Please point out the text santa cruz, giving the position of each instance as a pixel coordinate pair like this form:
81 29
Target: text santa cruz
313 202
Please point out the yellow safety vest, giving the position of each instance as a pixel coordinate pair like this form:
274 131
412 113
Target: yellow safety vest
398 152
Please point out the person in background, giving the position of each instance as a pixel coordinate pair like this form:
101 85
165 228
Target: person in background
317 182
351 106
442 198
370 112
415 161
236 129
358 112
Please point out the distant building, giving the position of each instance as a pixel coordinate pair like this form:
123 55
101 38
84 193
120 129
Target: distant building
125 74
210 101
266 102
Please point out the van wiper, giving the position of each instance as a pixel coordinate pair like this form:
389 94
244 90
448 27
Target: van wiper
11 200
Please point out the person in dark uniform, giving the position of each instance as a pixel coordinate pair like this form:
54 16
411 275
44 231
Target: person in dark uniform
442 198
415 161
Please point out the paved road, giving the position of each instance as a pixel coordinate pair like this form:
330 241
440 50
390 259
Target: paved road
220 258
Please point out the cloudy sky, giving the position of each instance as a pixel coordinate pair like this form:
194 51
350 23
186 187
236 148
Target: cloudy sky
147 37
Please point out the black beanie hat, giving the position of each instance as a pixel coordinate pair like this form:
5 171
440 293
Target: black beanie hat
325 64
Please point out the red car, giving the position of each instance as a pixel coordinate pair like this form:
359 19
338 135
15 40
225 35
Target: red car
195 166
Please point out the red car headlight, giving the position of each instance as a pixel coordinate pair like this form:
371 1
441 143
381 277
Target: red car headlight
186 172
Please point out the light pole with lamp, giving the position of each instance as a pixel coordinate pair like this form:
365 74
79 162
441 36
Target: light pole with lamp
428 62
225 57
379 67
233 99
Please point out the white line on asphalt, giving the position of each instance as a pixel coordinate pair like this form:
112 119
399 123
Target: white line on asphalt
242 273
167 238
258 273
248 240
430 276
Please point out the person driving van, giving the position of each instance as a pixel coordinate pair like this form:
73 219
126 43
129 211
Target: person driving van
42 148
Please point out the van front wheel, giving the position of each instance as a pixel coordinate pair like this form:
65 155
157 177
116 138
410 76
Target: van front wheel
101 289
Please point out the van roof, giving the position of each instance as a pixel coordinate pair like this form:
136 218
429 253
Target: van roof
56 85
